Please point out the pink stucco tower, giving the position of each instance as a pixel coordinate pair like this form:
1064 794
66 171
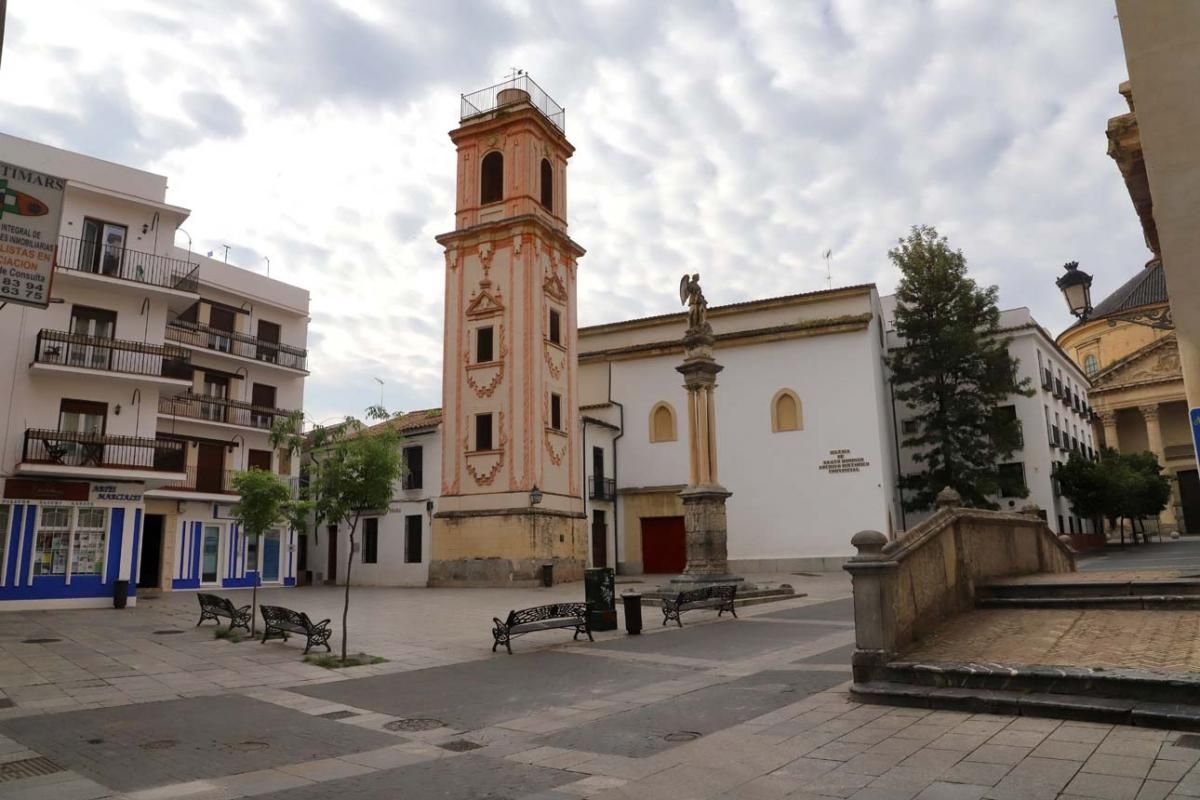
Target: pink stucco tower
511 495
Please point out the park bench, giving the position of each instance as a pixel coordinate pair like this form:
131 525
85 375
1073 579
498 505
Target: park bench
720 597
213 607
541 618
279 622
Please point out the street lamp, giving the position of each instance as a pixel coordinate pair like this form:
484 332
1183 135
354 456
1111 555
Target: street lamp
1076 286
535 495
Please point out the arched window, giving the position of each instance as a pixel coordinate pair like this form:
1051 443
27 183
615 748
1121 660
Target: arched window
662 423
491 179
1091 364
547 185
786 412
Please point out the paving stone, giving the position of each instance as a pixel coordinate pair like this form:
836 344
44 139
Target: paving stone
939 790
1155 790
976 773
1074 732
998 754
1103 787
959 741
1018 738
1165 770
1109 764
1071 751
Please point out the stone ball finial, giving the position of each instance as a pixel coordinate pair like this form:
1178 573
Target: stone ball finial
948 498
869 544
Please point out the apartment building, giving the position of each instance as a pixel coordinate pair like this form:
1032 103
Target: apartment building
152 376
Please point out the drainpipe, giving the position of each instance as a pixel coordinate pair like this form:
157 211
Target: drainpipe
616 495
896 437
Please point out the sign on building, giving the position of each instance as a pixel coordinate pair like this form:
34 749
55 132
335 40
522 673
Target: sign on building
30 209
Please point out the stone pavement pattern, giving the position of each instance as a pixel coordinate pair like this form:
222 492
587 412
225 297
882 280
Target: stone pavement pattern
750 708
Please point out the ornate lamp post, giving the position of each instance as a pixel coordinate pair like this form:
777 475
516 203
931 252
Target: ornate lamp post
1076 286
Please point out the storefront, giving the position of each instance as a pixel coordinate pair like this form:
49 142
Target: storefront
211 551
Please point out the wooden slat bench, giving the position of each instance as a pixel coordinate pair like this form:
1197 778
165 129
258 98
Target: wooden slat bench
279 622
719 596
213 607
541 618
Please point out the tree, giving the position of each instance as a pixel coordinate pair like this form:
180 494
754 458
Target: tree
953 370
1118 487
264 502
352 471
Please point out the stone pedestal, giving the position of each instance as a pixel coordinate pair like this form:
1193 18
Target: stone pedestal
707 552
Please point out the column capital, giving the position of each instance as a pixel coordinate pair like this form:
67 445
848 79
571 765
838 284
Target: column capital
1149 412
1108 416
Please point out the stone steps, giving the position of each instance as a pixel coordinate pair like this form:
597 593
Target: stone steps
1172 587
1110 710
1127 601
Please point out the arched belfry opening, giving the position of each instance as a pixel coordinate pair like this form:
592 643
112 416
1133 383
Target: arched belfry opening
547 185
491 178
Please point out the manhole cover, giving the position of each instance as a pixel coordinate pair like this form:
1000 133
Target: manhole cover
413 725
95 741
460 746
249 747
338 715
171 632
160 744
27 768
683 736
40 641
1188 740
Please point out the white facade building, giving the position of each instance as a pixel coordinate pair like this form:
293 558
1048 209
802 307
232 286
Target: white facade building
152 375
1055 421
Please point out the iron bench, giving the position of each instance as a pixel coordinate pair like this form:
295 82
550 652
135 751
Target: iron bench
541 618
212 607
279 622
720 597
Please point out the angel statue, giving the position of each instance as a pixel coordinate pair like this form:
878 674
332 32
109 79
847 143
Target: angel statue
692 296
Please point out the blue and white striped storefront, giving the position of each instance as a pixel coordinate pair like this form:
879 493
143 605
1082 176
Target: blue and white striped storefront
214 553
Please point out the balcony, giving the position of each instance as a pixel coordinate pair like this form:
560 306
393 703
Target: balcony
209 481
602 488
86 256
219 410
74 453
519 89
237 344
1047 380
60 351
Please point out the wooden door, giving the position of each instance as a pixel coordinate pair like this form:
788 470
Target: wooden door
210 467
664 545
599 539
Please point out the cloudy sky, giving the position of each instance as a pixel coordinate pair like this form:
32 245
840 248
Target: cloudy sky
737 139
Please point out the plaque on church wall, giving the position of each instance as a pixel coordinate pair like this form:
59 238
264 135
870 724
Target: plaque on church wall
840 461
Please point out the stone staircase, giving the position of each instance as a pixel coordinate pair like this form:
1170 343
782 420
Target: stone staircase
1101 591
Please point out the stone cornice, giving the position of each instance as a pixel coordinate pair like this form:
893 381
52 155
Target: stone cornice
506 228
817 327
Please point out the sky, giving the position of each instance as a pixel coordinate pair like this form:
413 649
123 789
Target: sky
738 139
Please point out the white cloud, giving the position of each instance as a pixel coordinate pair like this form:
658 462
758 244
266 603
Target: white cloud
736 139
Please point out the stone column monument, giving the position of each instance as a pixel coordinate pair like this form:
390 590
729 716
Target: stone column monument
704 498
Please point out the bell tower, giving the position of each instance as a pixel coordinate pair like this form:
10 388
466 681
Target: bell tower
511 494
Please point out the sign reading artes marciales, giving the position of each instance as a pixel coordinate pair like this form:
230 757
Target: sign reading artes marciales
30 208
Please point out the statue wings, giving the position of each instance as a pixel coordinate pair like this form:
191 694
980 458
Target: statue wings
683 289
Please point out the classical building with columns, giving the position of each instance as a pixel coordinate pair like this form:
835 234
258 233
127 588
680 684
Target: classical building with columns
1127 346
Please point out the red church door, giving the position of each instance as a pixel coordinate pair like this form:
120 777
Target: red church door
664 545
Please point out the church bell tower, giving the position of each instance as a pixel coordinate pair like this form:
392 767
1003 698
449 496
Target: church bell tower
511 494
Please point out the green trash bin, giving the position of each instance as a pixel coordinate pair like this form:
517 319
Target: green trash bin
599 589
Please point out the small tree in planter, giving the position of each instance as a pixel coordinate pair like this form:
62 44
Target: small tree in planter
265 502
352 471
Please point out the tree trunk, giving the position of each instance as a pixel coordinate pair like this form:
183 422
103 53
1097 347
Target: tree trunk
346 603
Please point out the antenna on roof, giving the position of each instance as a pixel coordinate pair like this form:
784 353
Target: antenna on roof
514 73
380 382
828 271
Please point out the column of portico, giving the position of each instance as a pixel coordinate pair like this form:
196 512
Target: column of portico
1154 437
1108 418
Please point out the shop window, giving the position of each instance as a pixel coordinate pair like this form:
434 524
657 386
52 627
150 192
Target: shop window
87 542
61 544
370 544
662 423
785 412
491 178
53 540
412 539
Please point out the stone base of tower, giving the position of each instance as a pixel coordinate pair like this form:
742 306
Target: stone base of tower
506 548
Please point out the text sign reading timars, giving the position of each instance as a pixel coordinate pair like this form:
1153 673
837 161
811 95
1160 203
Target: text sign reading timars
842 461
30 208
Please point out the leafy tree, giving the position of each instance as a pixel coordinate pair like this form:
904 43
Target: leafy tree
953 370
1118 487
264 502
352 471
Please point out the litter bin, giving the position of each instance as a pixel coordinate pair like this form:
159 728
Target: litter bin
633 613
548 575
599 590
120 593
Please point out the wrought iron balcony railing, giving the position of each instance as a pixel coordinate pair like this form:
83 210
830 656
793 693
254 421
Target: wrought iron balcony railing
211 481
494 97
88 255
219 409
60 348
600 488
77 449
238 344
